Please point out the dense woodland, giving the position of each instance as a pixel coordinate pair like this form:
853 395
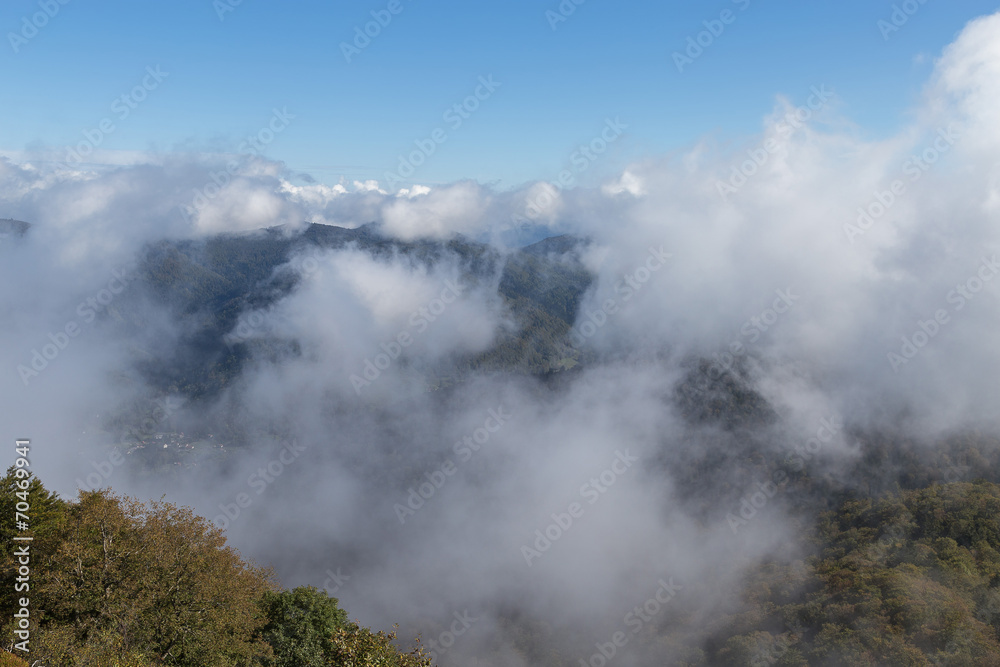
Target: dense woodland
118 583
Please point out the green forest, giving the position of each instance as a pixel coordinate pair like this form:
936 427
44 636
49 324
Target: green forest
118 583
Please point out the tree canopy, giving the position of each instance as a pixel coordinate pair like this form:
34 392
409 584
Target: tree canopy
120 583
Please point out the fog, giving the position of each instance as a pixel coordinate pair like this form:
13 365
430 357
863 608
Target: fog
796 261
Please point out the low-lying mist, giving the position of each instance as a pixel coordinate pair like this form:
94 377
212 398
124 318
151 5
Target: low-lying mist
760 313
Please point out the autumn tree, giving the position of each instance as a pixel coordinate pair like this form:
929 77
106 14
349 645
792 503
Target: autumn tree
116 581
120 583
356 645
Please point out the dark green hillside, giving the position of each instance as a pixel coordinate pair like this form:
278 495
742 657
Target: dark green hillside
908 579
542 285
210 284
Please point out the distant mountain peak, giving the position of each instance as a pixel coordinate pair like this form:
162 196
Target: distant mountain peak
556 245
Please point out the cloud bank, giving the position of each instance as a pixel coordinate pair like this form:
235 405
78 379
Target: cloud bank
849 281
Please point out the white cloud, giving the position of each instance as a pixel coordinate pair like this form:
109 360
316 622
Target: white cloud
627 182
457 208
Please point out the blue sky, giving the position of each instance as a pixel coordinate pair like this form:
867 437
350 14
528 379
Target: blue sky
557 86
